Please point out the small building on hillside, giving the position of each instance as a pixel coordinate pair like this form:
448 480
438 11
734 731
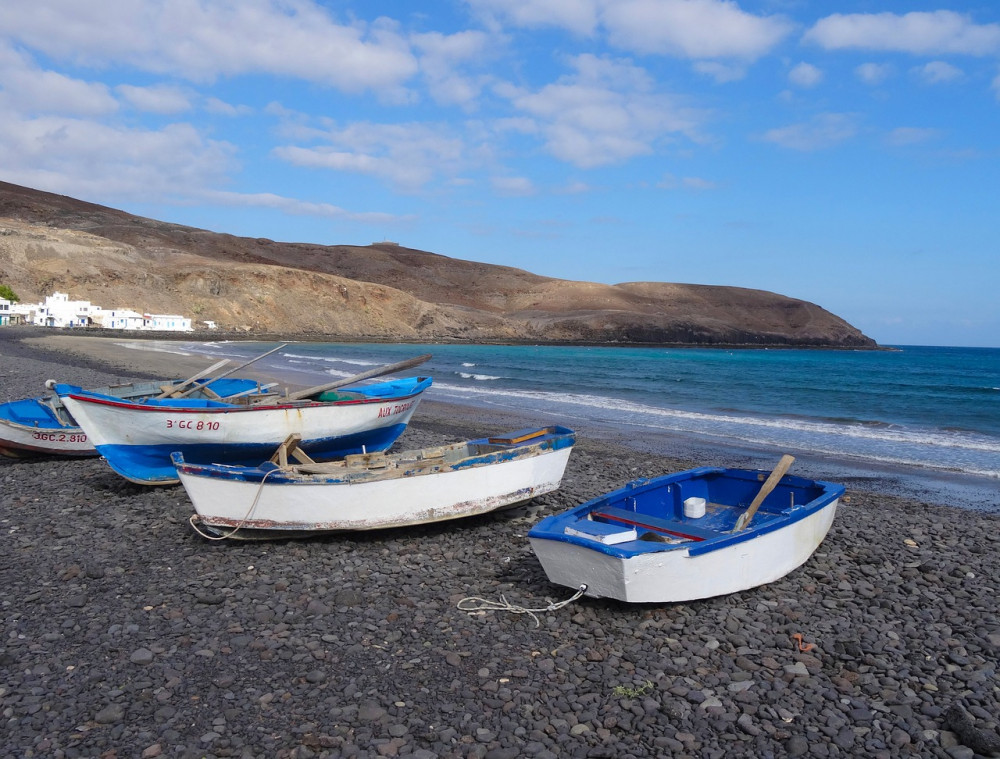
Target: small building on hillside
4 311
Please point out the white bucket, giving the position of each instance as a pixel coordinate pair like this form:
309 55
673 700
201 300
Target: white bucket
694 508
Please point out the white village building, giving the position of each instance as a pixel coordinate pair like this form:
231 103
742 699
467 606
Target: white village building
59 311
119 318
4 311
168 323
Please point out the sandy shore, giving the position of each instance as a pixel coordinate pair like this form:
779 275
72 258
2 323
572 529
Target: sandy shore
126 634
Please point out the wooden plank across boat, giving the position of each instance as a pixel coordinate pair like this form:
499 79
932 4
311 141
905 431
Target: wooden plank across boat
43 426
679 537
137 437
375 490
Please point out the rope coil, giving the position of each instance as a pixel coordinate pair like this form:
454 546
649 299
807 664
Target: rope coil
473 604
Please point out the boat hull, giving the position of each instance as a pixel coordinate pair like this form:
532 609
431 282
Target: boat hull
43 427
137 439
719 562
416 488
21 441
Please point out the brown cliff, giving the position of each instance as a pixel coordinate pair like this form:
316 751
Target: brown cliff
381 292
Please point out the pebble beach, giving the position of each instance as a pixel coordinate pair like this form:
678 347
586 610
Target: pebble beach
126 634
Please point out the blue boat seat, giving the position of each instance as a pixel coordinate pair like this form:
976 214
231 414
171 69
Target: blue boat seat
657 524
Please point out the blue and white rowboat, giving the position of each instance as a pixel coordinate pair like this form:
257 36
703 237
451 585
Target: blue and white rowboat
43 426
677 537
137 438
373 491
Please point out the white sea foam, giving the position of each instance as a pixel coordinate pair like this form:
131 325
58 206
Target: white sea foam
155 347
947 450
329 359
477 377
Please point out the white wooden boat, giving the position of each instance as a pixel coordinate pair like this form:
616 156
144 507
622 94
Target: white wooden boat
43 426
372 491
684 536
137 437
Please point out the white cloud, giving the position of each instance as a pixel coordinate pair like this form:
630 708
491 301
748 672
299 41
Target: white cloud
87 159
575 188
201 40
407 155
671 182
699 183
903 136
692 28
938 72
824 131
873 73
25 88
721 72
606 112
222 108
513 186
805 75
922 33
161 99
441 59
578 16
696 29
297 207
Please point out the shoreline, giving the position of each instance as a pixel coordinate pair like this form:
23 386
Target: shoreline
126 633
939 487
264 337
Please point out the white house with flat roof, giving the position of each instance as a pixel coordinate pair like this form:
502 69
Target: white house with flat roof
168 323
119 318
59 311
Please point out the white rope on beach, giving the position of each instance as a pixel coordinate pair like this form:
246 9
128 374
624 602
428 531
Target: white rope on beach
473 604
246 517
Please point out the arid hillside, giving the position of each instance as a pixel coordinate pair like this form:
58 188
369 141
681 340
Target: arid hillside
384 291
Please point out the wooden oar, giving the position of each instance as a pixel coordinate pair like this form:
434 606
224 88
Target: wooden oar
769 485
231 371
381 371
169 390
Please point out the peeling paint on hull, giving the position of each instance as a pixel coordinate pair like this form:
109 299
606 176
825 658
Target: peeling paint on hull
417 487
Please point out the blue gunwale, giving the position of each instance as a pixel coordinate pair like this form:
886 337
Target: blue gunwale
413 386
553 438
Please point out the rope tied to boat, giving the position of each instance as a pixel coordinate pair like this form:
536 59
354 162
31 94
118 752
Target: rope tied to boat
474 604
194 518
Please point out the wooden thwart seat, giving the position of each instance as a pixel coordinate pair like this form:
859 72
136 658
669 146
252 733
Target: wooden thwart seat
657 524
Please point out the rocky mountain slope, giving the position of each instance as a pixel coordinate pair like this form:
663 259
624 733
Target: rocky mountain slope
384 291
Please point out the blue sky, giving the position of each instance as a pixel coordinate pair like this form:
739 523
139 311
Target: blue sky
846 153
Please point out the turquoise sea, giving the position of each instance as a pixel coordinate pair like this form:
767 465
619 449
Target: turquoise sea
911 414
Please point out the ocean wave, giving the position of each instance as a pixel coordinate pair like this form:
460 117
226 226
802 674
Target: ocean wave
155 346
329 359
742 426
477 377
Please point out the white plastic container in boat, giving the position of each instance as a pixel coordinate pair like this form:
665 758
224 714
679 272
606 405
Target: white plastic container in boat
694 507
